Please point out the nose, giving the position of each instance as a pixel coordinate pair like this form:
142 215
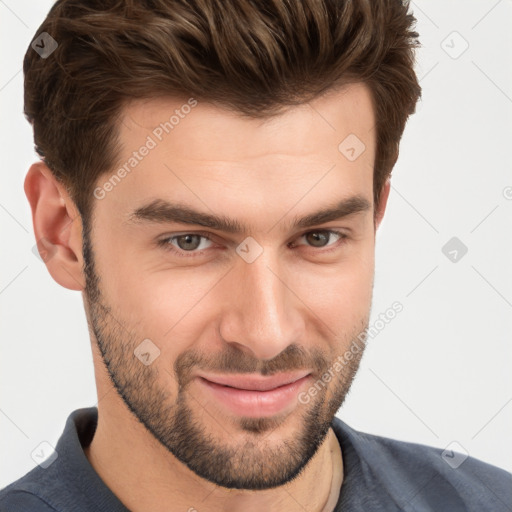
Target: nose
261 312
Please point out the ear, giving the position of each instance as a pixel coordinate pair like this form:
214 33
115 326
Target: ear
57 226
383 201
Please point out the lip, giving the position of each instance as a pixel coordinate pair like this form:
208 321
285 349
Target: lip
254 395
255 382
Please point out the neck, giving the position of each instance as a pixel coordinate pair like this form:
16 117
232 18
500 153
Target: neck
153 479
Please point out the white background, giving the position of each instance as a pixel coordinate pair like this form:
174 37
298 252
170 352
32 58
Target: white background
439 372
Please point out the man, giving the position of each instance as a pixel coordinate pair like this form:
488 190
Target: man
212 176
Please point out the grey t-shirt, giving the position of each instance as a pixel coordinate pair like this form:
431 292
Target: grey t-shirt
380 474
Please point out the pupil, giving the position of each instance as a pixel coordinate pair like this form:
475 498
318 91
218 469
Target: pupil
316 237
189 242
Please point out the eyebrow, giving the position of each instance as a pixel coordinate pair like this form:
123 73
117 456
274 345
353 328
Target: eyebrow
162 211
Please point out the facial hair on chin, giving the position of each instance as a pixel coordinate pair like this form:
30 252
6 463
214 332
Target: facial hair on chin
252 462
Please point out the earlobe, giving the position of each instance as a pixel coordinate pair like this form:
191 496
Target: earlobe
57 226
384 194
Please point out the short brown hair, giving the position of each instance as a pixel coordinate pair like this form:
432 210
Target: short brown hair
255 57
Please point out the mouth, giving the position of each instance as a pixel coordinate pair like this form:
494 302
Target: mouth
254 396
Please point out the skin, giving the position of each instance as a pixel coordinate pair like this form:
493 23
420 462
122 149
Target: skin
162 441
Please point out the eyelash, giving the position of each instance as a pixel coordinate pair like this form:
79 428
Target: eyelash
166 246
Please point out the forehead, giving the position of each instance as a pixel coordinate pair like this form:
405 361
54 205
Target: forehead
206 130
188 151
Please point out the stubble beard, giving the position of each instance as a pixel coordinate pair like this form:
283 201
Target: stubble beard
248 460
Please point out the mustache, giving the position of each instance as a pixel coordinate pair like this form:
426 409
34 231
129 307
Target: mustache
233 360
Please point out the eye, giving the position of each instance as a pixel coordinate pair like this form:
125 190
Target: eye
193 244
324 238
186 242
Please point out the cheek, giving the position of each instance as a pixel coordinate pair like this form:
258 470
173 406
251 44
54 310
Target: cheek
165 304
168 303
341 294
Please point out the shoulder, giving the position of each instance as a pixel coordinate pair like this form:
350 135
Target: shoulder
23 495
55 482
427 477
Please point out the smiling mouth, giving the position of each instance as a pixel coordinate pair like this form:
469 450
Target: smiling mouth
254 396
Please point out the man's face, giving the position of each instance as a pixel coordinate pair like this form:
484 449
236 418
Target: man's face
170 308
